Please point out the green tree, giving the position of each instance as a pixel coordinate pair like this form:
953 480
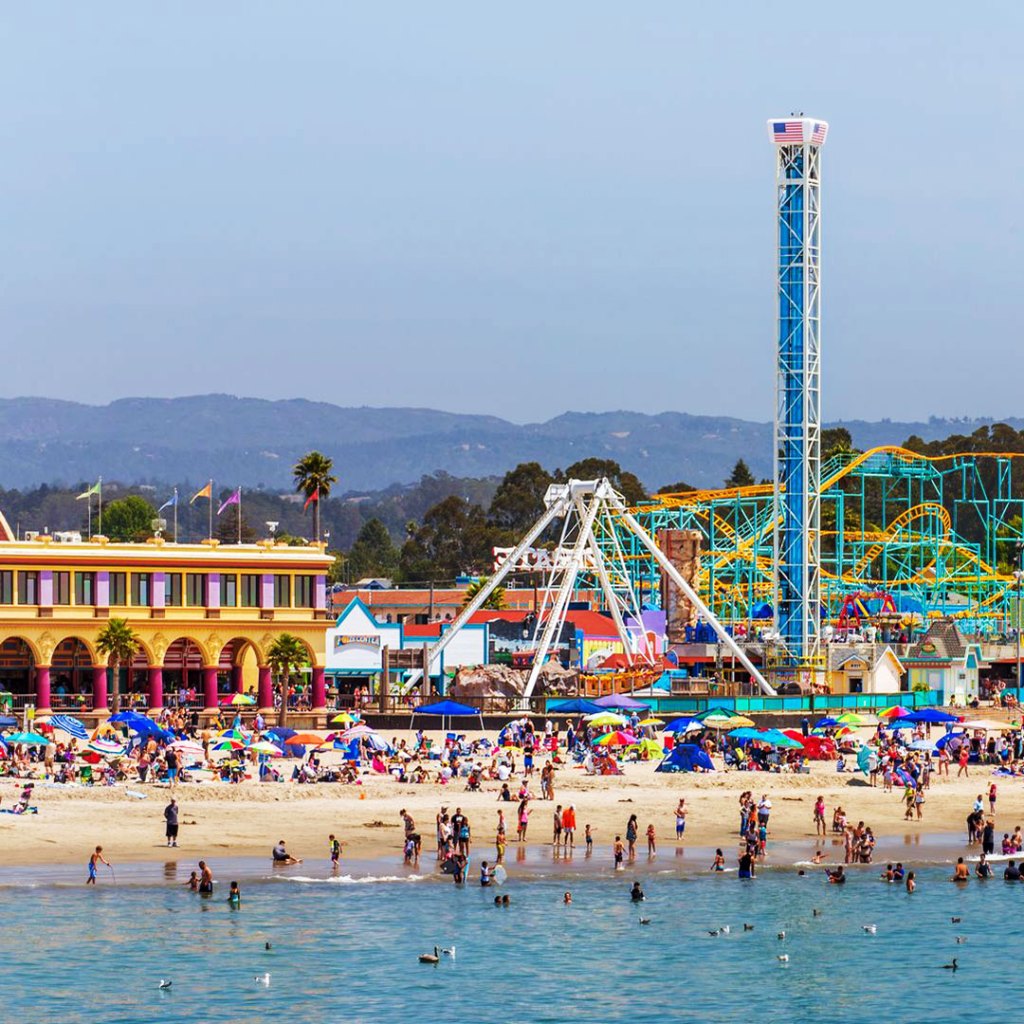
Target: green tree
676 488
495 600
226 528
740 476
519 500
313 476
626 483
373 553
836 441
285 656
118 643
453 539
128 519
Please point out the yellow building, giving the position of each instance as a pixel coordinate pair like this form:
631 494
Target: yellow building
205 614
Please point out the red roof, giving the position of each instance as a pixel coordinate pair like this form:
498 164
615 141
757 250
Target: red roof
429 629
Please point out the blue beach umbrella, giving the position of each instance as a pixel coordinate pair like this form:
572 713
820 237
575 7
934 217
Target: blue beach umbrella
745 734
682 725
72 726
826 723
932 715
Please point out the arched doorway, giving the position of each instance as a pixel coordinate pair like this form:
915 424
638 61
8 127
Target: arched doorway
239 662
183 673
71 674
17 674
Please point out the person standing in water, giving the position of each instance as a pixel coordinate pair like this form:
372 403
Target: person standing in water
205 879
335 847
96 858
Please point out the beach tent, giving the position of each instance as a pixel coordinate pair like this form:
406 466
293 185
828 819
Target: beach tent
448 709
573 707
621 701
686 757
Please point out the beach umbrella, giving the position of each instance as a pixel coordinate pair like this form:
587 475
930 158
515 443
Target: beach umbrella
932 716
355 732
906 722
922 745
651 721
343 719
621 701
263 747
30 739
228 744
305 739
825 723
128 718
988 725
237 699
108 748
683 725
852 718
606 718
777 738
744 733
617 738
233 734
576 706
72 726
896 711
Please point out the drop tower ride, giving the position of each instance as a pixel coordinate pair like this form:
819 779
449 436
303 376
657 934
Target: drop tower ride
797 563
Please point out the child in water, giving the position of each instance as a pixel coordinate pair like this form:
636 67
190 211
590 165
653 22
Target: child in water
335 847
235 894
193 882
589 838
651 846
718 864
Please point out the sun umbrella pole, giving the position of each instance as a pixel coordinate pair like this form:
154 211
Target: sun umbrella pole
659 556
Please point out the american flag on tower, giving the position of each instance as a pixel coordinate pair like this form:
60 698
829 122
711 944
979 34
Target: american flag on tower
789 132
818 133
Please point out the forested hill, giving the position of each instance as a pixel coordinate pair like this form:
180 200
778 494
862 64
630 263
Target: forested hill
255 442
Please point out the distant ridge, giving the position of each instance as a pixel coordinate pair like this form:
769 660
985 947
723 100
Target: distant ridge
255 442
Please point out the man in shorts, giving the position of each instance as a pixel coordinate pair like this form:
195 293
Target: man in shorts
171 817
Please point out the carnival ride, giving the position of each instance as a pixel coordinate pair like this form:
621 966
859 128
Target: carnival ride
937 533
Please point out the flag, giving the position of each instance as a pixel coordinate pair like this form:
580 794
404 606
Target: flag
205 492
234 499
95 489
173 500
818 133
788 131
315 496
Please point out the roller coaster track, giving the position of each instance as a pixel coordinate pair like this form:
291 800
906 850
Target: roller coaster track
925 510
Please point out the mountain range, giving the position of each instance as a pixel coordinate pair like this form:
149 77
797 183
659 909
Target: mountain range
255 442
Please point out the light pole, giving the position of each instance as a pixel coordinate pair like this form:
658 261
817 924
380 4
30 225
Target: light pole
1018 573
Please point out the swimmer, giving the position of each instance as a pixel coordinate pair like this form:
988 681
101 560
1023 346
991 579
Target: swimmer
486 874
567 898
819 856
96 858
235 894
719 862
960 873
888 875
505 901
497 901
911 884
618 850
205 879
636 894
193 882
837 877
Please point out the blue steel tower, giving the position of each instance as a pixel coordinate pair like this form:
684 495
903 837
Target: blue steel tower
797 565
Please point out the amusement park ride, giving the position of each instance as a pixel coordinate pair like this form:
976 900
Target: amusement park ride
784 563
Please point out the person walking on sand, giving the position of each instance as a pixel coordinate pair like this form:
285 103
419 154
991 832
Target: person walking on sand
632 830
819 816
992 799
964 757
522 820
96 858
680 819
556 827
171 818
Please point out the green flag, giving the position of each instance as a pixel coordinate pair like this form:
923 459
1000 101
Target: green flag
95 489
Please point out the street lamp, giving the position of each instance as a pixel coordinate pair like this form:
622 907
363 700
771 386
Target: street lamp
1018 575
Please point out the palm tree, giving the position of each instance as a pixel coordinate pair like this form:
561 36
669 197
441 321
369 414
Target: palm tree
286 653
117 642
495 600
313 476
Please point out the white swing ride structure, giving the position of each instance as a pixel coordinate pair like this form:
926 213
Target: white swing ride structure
592 515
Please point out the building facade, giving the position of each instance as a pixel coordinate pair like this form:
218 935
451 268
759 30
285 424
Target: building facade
205 614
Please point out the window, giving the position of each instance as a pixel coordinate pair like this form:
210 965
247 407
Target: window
85 588
172 590
228 590
7 587
140 589
28 588
303 591
250 590
195 589
118 589
282 591
62 588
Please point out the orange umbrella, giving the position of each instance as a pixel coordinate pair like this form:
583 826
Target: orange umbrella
305 739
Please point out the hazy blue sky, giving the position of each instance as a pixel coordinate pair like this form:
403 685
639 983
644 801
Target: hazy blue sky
518 210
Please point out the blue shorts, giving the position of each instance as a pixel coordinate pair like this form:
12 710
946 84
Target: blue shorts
92 870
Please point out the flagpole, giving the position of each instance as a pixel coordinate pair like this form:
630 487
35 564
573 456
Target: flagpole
175 515
211 509
239 514
88 515
318 513
99 526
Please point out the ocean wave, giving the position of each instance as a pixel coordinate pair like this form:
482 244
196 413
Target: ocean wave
347 879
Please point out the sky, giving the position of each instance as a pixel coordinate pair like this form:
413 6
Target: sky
513 210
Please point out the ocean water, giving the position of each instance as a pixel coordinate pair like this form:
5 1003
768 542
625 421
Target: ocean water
345 950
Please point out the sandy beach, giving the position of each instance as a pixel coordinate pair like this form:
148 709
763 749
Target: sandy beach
247 819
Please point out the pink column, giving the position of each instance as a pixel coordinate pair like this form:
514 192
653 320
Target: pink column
156 687
99 688
42 688
319 690
210 687
265 698
237 682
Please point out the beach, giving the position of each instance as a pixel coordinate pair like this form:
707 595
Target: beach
221 819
